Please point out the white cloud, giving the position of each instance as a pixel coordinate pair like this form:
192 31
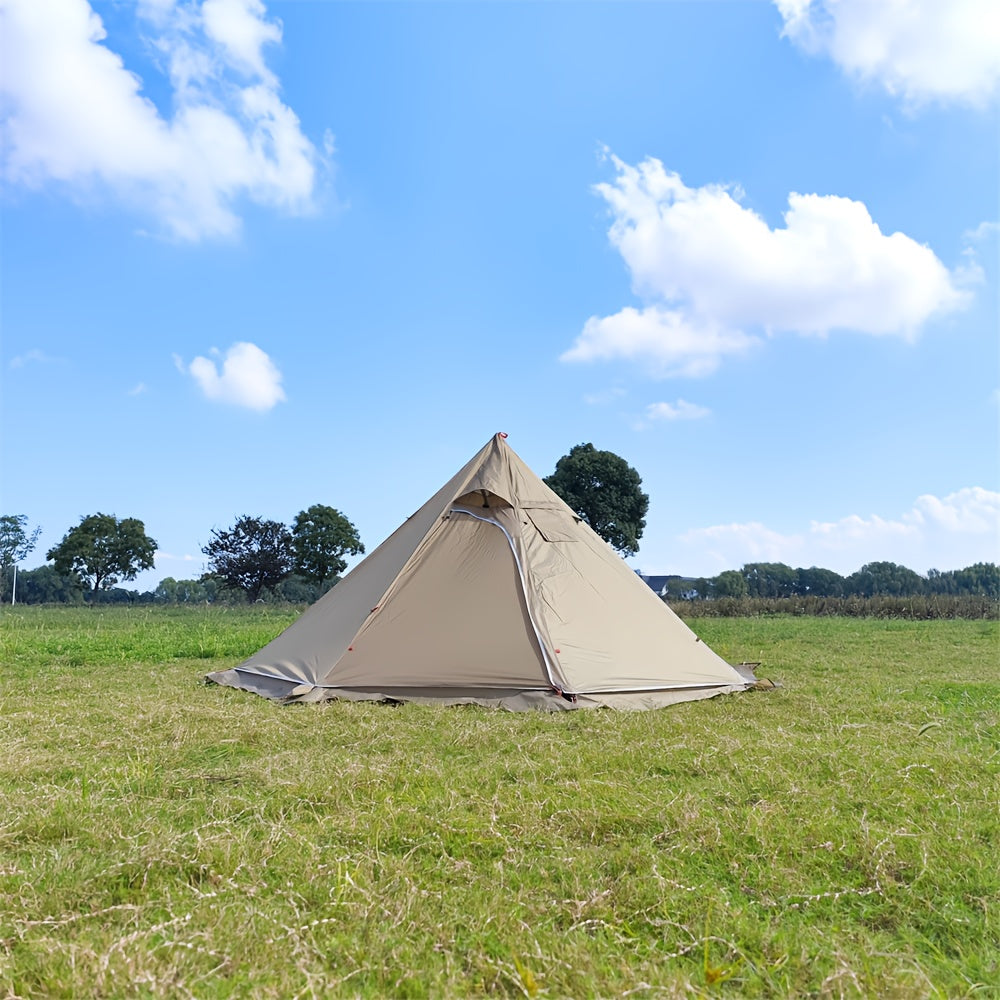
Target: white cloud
936 532
248 377
709 269
729 546
34 356
855 530
681 410
241 27
138 389
74 115
922 50
972 511
830 267
667 339
987 230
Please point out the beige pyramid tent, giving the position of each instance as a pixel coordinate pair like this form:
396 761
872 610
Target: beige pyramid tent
494 592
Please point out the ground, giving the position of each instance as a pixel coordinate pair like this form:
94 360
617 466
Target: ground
160 837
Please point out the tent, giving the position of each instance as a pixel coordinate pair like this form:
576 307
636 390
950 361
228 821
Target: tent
494 592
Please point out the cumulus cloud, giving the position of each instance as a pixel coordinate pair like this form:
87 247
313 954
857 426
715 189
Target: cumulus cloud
856 530
936 532
972 511
242 29
681 410
248 377
709 270
670 341
659 412
921 50
729 546
74 115
986 231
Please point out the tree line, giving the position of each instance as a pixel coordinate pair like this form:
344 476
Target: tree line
253 559
258 559
874 579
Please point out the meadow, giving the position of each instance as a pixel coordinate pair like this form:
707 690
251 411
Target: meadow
836 837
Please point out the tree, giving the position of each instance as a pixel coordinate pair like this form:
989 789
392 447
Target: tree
252 556
941 583
16 543
45 586
818 582
981 579
769 579
321 537
603 489
298 590
730 583
878 579
103 550
171 591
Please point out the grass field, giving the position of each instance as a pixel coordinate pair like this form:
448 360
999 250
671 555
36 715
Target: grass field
158 837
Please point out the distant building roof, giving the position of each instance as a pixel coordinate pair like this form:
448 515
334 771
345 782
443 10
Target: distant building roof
658 584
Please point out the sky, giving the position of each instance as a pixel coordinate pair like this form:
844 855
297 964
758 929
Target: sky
258 256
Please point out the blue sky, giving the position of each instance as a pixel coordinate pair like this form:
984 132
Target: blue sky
257 257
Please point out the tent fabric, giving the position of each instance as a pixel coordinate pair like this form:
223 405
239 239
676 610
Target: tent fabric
494 593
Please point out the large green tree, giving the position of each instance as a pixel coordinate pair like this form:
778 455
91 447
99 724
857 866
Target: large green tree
878 579
16 544
604 490
981 579
769 579
253 556
730 583
818 582
321 537
104 550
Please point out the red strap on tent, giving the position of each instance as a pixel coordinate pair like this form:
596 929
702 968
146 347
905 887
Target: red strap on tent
502 434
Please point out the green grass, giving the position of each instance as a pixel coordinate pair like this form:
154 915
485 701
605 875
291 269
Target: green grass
837 837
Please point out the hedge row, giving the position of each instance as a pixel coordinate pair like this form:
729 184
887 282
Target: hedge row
932 606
